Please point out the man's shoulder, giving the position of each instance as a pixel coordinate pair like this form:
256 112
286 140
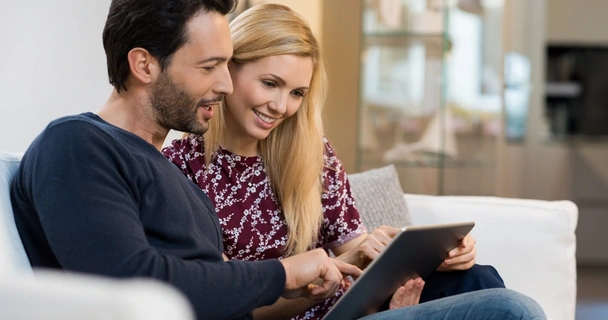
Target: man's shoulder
71 135
83 120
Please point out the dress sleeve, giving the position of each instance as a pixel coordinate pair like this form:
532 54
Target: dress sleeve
341 222
188 155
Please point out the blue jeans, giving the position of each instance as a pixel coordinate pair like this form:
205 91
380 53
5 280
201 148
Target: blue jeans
489 304
444 284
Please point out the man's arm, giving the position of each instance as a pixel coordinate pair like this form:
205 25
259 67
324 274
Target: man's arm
89 209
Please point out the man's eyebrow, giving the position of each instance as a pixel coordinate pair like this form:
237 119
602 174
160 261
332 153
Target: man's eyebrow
215 58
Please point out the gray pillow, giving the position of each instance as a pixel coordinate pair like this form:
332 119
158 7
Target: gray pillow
379 198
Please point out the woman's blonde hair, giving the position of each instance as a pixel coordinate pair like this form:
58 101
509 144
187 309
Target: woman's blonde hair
293 151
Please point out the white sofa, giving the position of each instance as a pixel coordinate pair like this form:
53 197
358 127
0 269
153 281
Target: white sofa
531 243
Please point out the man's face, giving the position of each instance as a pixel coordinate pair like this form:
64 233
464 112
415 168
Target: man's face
197 79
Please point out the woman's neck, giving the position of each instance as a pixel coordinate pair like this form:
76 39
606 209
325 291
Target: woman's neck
242 147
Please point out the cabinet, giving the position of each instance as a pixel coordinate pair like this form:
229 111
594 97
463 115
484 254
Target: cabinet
431 93
575 91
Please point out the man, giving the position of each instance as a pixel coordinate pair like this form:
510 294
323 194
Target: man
94 194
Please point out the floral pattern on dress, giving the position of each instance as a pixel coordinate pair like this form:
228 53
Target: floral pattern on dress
253 224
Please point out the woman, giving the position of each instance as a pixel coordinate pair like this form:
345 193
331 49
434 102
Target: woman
276 182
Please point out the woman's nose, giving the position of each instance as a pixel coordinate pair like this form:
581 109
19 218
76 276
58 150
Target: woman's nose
279 104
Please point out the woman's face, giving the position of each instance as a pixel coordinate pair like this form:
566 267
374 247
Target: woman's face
266 92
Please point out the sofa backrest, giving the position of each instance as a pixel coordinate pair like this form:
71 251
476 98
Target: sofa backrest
12 254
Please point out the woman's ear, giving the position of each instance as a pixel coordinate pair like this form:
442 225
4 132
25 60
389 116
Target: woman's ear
143 66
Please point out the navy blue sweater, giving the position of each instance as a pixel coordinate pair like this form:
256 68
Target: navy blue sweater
91 197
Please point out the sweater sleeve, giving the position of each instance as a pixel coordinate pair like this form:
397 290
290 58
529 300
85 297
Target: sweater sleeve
92 221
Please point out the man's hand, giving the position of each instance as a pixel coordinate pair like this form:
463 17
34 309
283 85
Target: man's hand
461 257
303 269
407 295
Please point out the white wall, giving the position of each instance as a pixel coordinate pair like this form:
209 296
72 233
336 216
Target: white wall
52 64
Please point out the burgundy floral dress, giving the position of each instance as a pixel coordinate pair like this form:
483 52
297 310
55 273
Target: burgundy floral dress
253 224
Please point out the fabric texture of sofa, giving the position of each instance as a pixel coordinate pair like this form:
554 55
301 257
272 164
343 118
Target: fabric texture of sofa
530 242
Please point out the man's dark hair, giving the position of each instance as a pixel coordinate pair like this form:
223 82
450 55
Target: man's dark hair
158 26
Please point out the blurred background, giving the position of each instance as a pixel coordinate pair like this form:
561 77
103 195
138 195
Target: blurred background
466 97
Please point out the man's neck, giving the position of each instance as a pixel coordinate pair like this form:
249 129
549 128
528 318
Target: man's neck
130 111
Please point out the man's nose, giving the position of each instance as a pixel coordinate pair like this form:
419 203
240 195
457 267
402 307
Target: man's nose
224 83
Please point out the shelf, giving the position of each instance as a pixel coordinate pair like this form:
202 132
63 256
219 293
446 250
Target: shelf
563 89
429 94
438 42
403 34
425 161
576 139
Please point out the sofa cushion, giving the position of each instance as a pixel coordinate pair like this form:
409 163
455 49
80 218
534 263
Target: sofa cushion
12 254
379 197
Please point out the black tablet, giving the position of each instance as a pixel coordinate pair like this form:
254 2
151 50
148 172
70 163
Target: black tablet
415 251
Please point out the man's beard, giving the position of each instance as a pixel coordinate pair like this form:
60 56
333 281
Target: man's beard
174 108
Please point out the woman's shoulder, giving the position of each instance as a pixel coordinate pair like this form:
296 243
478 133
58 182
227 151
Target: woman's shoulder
329 149
188 144
332 162
185 151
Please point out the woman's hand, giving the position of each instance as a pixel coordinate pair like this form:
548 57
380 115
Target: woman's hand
461 257
362 250
407 295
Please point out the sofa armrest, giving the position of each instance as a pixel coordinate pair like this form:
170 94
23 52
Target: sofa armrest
531 243
12 254
61 295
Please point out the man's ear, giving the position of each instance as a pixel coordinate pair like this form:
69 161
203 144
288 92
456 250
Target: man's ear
144 67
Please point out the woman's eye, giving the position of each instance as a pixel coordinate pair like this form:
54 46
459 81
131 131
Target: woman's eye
209 68
297 93
269 84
